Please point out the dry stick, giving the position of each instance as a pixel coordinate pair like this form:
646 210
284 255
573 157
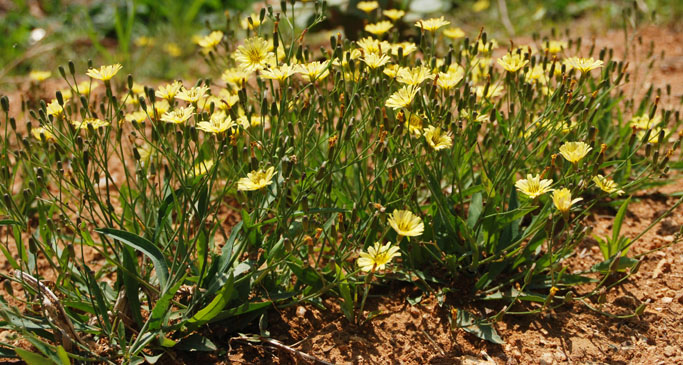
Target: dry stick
54 309
279 345
434 343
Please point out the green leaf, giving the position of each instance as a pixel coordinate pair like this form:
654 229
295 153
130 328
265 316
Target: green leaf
156 319
146 247
618 220
623 264
475 326
196 342
63 355
32 358
476 207
208 313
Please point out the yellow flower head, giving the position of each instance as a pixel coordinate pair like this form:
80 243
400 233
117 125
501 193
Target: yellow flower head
373 60
210 41
256 180
414 125
137 117
437 139
448 80
169 91
178 116
536 73
584 64
403 97
485 48
554 47
533 186
367 6
94 122
607 185
379 28
40 132
562 199
391 70
574 151
254 54
493 91
644 122
192 95
235 76
314 71
405 223
144 41
104 73
512 62
218 123
394 14
371 45
201 168
414 75
173 49
454 32
280 73
86 87
54 109
255 21
39 76
432 24
377 257
406 47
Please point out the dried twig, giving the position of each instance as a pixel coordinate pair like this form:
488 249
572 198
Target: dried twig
279 345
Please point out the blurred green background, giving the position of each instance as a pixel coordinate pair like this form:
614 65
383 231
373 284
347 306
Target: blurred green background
149 36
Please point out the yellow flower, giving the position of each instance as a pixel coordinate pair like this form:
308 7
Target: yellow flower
574 151
644 122
512 62
414 125
480 117
533 186
94 122
314 71
146 151
169 91
39 76
432 24
86 87
377 257
161 106
487 47
254 54
255 21
414 75
201 168
54 109
407 48
178 116
562 199
172 49
454 32
138 116
227 99
480 5
607 185
394 14
279 73
210 41
371 45
367 6
584 64
654 135
373 60
104 73
256 180
403 97
437 139
144 41
405 223
554 47
235 76
192 95
536 73
40 132
493 91
379 28
218 123
391 70
448 80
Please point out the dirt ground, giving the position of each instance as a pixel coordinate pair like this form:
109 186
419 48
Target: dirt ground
419 334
